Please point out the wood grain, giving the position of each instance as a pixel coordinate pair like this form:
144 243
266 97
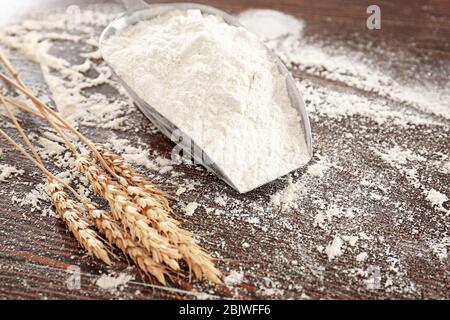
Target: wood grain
35 251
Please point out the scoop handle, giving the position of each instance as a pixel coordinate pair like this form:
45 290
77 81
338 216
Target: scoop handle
132 5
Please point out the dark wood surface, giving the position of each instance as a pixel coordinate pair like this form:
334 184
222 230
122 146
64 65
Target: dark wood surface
35 251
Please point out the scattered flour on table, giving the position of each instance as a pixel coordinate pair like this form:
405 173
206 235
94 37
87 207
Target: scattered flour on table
347 66
34 200
271 24
133 154
68 82
221 201
112 282
437 200
351 240
441 249
180 191
326 217
190 208
234 278
334 249
399 158
287 198
337 247
318 169
446 167
8 171
50 148
398 155
362 257
253 220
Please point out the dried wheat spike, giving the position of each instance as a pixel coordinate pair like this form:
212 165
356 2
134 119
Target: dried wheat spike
125 170
78 225
117 236
155 207
125 211
200 262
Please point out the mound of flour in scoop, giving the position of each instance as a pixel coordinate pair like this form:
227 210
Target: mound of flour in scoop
217 84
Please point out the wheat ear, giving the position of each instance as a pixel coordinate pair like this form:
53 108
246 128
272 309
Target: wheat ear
200 262
70 213
125 170
117 236
66 208
155 207
125 211
158 246
79 226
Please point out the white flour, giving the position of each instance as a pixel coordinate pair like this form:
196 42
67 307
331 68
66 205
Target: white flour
334 249
7 171
113 283
217 84
234 278
362 257
270 24
190 208
437 199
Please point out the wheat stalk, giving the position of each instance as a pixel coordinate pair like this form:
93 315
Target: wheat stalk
70 213
127 213
154 205
65 207
125 170
21 105
155 244
117 236
50 115
198 260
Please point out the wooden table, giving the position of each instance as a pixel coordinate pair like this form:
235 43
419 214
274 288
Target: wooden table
35 251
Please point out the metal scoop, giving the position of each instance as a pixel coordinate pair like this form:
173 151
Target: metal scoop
138 11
